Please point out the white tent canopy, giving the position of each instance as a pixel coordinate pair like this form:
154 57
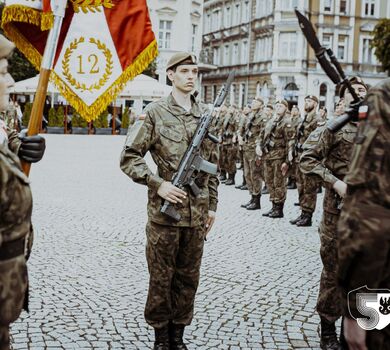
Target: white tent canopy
141 88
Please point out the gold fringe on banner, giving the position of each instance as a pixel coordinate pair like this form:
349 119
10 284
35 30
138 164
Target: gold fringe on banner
28 15
47 20
93 111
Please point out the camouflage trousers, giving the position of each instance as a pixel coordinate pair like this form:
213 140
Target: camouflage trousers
174 257
229 158
252 173
307 191
328 302
13 282
221 163
275 181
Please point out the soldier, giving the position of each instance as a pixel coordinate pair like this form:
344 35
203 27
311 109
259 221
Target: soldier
174 249
15 213
229 152
340 108
218 132
243 120
250 133
276 152
327 155
268 113
307 186
323 114
364 224
295 119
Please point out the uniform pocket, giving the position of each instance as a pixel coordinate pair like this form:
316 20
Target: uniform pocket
171 134
151 234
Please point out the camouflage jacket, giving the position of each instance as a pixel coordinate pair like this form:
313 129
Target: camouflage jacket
307 125
277 139
166 133
252 128
9 116
328 155
364 225
15 198
228 129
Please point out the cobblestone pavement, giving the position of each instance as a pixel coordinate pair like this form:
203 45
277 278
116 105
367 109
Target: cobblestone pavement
88 273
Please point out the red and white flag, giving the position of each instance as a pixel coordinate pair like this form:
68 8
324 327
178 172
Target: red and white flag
102 45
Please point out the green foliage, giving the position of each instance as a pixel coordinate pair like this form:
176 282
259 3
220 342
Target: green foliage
151 69
101 121
381 43
78 121
126 118
26 113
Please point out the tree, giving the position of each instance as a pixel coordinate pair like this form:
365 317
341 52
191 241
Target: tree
151 70
381 43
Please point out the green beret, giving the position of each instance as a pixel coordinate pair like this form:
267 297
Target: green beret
6 47
352 81
181 58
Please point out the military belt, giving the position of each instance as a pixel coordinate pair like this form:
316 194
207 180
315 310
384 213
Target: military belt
12 249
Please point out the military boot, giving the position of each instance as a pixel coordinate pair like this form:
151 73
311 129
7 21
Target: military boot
230 181
291 184
277 212
242 185
305 220
265 190
255 205
328 339
268 213
249 203
176 337
294 222
222 176
162 338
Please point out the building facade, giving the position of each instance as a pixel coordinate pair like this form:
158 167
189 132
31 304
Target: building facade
262 41
178 26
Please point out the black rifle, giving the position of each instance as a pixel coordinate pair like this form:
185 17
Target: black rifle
268 144
248 127
336 75
192 163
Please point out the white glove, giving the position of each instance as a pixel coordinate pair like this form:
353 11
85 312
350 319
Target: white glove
258 151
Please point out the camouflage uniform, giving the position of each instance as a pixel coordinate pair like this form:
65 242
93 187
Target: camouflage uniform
307 186
15 228
229 151
279 136
327 156
10 117
174 249
250 132
364 225
295 122
217 129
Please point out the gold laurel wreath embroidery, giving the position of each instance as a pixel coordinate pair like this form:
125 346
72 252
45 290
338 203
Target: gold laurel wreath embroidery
91 5
68 75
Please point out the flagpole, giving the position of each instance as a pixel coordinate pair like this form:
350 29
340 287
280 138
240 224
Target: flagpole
58 8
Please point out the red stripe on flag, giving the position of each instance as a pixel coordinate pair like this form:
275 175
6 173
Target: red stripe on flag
46 6
130 28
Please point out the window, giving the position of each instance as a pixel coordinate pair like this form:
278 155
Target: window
207 23
328 5
237 14
226 55
235 54
343 7
241 98
263 49
288 46
244 52
327 41
246 12
369 7
228 17
193 38
232 94
289 5
323 93
263 8
216 25
214 93
367 56
342 48
164 35
216 56
205 93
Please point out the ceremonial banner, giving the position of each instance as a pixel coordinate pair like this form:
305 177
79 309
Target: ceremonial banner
102 45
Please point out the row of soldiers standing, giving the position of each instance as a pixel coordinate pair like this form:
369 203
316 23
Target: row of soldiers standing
268 141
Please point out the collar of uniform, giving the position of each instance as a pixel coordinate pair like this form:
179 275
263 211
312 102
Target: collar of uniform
177 110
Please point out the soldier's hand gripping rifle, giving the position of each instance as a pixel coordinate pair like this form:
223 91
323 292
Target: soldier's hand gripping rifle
336 75
192 163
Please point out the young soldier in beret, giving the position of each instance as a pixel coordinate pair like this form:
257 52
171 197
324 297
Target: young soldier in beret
174 249
15 213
